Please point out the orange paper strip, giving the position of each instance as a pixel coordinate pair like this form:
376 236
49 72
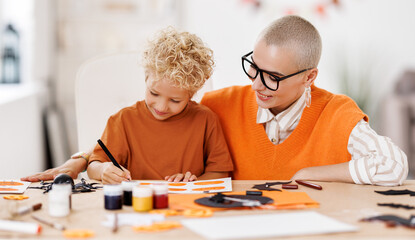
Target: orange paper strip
4 183
8 189
209 183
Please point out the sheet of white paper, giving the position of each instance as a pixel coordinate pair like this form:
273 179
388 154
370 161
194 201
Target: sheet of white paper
202 186
13 186
133 219
267 225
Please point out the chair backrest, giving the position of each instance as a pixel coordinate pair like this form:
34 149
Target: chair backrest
103 86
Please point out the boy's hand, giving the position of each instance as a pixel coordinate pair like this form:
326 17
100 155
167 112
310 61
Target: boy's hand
187 177
113 175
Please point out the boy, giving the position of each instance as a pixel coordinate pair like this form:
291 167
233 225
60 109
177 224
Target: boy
166 136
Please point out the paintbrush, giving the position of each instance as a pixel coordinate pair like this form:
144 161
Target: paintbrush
50 224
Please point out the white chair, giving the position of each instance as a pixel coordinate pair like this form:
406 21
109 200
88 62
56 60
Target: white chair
103 86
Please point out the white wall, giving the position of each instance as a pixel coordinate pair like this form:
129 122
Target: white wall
21 136
21 131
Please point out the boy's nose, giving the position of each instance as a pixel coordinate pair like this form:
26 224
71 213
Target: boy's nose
162 107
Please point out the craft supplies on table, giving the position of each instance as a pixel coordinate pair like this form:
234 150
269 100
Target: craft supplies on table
127 187
113 197
60 200
160 196
202 186
18 226
267 225
142 198
13 186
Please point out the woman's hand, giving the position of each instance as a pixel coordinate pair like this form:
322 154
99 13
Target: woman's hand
72 167
187 177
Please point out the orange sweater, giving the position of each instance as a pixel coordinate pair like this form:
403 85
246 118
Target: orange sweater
152 149
320 138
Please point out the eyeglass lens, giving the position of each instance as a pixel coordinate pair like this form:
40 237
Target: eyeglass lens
252 71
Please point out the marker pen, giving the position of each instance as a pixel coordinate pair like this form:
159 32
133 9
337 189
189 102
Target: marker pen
27 209
18 226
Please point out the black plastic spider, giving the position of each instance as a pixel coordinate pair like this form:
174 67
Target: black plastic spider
81 187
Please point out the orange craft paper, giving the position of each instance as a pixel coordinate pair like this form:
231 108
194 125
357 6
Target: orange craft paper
289 200
4 183
8 189
282 200
208 183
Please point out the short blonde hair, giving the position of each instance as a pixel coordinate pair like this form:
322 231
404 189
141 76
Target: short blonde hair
298 35
180 57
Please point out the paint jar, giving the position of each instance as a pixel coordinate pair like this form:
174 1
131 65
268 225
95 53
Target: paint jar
65 187
160 196
113 197
60 200
142 198
127 187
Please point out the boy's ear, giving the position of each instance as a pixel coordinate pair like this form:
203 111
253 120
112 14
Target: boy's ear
311 76
146 76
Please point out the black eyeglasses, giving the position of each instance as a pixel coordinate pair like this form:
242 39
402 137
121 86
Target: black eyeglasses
269 79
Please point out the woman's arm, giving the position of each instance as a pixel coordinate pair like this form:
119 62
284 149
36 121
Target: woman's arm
72 167
375 160
329 173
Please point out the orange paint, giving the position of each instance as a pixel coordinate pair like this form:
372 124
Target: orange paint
4 183
145 183
208 188
8 189
209 183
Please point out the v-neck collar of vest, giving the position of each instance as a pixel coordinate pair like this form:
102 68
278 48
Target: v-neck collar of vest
301 133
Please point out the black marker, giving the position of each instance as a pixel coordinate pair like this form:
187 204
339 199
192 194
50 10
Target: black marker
109 154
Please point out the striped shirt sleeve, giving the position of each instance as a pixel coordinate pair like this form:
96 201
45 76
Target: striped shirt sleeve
375 159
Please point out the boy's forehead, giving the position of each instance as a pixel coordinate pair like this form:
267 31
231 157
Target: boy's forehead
167 87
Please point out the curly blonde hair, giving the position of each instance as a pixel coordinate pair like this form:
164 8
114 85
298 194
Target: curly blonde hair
180 57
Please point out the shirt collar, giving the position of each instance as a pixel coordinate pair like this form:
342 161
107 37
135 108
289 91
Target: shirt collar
293 112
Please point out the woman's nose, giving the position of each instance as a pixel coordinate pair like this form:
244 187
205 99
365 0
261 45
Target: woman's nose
257 84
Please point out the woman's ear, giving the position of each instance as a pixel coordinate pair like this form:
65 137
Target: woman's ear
311 76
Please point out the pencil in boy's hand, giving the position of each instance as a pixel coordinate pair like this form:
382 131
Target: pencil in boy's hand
109 154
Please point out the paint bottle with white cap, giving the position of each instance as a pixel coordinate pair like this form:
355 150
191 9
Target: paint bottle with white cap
113 197
142 198
60 200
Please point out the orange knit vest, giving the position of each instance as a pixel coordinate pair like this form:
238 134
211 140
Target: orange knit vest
320 138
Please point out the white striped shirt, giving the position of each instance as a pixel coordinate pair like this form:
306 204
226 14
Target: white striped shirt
375 159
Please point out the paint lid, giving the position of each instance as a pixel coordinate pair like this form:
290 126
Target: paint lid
140 191
160 188
128 185
62 187
112 190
